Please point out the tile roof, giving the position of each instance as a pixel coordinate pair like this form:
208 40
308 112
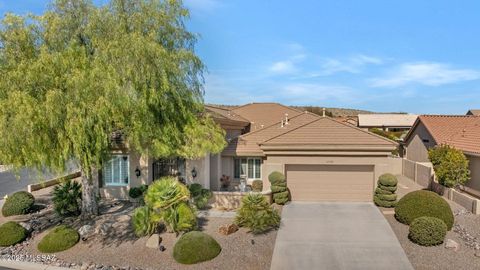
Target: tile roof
329 132
224 113
459 131
474 112
262 115
386 120
248 144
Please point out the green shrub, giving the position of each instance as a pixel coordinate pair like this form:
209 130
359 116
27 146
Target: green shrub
58 239
145 221
257 185
280 196
450 165
195 247
136 192
423 203
199 195
388 180
166 192
427 231
168 199
277 189
276 178
19 203
67 199
382 203
387 197
391 189
381 191
257 214
11 233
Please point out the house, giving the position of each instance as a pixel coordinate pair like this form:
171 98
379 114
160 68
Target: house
474 112
323 159
459 131
387 122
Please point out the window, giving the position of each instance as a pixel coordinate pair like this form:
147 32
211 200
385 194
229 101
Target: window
248 167
116 171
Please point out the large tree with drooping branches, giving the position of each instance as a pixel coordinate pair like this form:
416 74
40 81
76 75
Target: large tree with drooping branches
78 73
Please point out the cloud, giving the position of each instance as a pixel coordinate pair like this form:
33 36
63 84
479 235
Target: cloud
283 67
425 73
353 64
311 93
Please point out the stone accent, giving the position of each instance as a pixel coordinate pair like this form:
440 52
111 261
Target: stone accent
228 229
450 244
153 241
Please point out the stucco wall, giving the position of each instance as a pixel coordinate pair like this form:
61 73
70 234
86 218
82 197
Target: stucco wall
136 161
417 149
202 166
474 182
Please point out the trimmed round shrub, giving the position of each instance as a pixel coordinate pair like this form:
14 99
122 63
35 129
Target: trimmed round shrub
382 191
11 233
58 239
194 247
427 231
382 203
257 185
387 197
423 203
387 188
276 178
388 180
277 189
19 203
195 189
135 192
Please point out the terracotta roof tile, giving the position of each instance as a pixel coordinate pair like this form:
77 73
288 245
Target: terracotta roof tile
224 113
460 131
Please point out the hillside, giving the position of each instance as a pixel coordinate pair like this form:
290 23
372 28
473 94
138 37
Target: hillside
335 112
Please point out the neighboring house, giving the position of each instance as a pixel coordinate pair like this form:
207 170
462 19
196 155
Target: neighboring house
351 120
387 122
461 132
323 159
474 112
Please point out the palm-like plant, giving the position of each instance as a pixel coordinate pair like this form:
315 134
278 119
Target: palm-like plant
145 221
166 192
67 198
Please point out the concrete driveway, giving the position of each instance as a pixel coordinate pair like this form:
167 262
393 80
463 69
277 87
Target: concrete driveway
336 236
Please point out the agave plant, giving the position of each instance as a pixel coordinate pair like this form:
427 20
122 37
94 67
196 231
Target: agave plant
257 214
67 198
166 192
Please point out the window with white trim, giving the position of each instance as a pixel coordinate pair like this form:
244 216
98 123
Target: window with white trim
247 167
116 171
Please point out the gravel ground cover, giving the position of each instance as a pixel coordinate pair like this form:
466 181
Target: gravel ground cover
240 250
465 232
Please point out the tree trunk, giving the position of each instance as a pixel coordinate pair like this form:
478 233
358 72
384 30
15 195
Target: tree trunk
89 194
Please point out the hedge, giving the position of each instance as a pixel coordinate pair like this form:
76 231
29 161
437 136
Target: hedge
194 247
19 203
388 180
58 239
12 233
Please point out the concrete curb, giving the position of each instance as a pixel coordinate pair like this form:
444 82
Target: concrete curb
30 266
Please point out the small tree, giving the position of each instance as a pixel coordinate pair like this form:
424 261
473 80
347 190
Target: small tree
450 165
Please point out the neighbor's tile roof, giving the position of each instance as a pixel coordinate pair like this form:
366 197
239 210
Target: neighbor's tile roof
262 115
474 112
386 120
329 132
459 131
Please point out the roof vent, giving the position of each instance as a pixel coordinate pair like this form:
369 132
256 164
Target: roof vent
323 112
286 119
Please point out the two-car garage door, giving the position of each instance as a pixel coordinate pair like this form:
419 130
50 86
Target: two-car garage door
353 183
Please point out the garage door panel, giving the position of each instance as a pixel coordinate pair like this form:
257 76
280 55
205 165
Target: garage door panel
330 182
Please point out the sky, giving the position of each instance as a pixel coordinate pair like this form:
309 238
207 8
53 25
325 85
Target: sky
384 56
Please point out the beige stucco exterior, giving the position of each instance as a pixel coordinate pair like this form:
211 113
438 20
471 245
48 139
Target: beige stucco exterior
143 163
473 184
417 145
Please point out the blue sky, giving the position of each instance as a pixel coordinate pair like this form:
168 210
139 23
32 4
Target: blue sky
411 56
